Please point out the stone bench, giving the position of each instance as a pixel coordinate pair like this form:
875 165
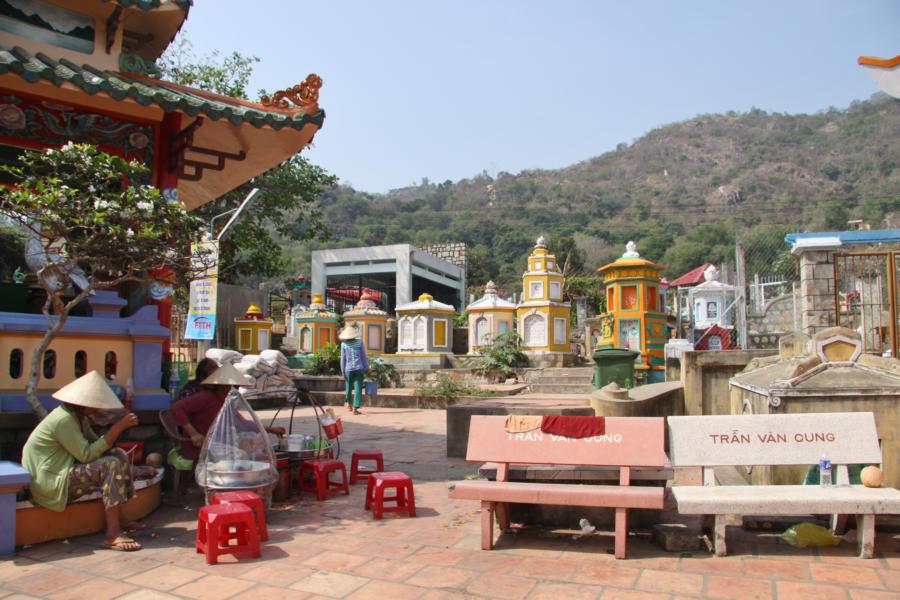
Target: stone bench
627 443
786 439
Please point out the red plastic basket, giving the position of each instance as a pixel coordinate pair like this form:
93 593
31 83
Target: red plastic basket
134 451
334 429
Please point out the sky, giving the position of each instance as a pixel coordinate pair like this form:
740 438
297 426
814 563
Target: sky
446 90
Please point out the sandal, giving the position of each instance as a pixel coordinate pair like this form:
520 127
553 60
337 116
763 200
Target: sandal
356 411
122 544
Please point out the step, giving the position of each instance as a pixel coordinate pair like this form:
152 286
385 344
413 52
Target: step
564 380
560 388
568 371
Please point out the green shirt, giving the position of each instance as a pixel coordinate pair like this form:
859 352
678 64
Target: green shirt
51 450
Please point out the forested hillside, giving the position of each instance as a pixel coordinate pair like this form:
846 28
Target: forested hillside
683 192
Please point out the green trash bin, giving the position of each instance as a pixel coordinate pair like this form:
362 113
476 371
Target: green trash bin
614 364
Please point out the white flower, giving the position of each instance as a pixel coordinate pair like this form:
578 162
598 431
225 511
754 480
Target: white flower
129 232
68 145
101 204
145 205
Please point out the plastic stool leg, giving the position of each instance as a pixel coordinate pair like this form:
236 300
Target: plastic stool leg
261 520
253 540
370 492
378 508
346 482
212 543
411 499
321 484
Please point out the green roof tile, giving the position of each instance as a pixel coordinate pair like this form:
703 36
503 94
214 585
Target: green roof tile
35 67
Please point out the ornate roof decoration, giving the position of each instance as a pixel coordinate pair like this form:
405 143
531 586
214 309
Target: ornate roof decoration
302 94
491 300
365 306
541 243
631 250
170 97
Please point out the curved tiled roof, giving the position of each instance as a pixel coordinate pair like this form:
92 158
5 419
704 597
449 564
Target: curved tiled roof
154 4
146 91
885 63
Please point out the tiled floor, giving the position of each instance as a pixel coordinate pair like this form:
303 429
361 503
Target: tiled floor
334 549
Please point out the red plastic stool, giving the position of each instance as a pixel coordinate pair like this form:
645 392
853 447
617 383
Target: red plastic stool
214 535
358 473
321 469
404 496
250 500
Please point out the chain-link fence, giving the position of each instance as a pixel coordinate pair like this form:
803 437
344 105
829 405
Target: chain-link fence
767 288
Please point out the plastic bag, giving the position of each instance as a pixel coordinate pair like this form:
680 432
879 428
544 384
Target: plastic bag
803 535
237 452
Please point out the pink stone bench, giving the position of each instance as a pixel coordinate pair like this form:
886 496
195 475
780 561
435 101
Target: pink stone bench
627 443
754 441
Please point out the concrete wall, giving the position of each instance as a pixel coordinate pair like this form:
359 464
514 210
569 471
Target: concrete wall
705 375
885 407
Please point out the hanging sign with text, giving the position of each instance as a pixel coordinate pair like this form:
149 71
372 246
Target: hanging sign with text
201 319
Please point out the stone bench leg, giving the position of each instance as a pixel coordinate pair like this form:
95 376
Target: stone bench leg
12 479
719 535
621 532
487 525
865 534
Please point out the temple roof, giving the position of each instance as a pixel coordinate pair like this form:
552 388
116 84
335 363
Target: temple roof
885 72
692 277
146 90
425 303
152 4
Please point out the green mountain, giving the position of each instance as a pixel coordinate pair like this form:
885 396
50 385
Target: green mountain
684 192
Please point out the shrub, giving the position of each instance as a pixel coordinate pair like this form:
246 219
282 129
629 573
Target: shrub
326 361
384 373
502 354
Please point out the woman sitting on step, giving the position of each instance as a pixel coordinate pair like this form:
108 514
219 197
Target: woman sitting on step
67 460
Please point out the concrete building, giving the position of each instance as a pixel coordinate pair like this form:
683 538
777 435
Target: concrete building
400 272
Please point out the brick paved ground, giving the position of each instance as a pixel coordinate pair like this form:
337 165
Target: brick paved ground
334 549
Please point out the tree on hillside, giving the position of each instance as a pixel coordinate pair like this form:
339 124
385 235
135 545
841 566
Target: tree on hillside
286 210
86 225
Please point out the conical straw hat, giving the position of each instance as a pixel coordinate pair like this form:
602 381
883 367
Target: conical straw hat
227 374
89 390
349 333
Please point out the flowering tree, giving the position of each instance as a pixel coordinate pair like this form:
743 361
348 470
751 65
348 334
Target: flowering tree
91 225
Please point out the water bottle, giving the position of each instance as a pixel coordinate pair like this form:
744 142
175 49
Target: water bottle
173 383
129 393
825 472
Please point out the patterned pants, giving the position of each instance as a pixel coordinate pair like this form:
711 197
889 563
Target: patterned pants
110 475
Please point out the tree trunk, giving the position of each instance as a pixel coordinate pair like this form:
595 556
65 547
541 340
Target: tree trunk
34 375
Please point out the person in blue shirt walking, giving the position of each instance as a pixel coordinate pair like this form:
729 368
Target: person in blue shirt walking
354 365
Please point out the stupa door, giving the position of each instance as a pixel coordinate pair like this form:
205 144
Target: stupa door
535 330
482 332
305 340
420 334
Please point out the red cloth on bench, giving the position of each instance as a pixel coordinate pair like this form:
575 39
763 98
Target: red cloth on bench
573 427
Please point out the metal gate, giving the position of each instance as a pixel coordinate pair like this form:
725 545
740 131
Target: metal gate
866 298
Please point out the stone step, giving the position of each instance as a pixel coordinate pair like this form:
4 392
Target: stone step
587 372
579 379
560 388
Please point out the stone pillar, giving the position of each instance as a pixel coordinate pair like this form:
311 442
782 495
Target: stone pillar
817 307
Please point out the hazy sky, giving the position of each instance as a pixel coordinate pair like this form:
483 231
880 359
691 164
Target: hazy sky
444 90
